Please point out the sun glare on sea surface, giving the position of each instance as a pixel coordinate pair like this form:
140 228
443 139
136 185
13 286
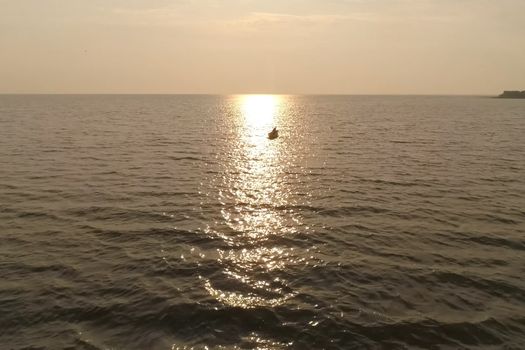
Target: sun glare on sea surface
256 207
260 110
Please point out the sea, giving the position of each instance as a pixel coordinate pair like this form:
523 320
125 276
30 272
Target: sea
165 222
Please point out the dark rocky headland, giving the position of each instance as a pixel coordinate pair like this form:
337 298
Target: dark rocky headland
512 94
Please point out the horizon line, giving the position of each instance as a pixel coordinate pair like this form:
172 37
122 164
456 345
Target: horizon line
237 94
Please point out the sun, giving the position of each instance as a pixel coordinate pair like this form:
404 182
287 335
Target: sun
259 110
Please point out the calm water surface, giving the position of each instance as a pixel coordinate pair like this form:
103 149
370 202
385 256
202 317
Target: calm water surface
172 222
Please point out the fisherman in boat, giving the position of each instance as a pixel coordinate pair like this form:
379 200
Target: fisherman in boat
273 134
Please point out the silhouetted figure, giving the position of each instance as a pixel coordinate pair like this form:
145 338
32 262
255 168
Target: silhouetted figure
273 134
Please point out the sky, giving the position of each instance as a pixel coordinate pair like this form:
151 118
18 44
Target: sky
473 47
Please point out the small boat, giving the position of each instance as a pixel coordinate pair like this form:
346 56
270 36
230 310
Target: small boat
273 134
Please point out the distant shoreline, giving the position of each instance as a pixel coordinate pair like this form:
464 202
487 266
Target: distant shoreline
512 94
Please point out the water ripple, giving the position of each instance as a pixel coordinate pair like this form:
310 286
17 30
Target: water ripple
172 222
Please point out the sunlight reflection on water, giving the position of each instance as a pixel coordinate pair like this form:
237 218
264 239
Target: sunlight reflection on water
255 203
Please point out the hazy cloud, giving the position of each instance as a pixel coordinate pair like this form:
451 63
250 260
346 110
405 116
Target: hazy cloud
327 46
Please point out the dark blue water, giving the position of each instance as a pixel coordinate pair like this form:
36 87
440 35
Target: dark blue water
172 222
